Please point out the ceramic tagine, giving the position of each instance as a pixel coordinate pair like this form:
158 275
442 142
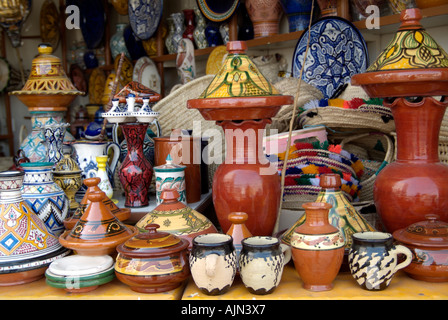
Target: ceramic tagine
428 242
44 196
67 175
411 74
47 93
242 102
153 261
122 214
27 246
175 217
98 231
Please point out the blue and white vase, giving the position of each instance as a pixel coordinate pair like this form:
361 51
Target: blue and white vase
169 38
179 27
54 137
117 43
199 31
44 196
298 13
212 34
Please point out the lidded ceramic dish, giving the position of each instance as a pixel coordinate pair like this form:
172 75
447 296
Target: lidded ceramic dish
428 241
153 261
48 88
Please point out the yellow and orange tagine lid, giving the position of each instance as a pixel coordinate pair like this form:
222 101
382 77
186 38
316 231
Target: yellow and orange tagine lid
413 64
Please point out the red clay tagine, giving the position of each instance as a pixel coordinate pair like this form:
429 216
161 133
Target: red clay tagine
243 102
411 74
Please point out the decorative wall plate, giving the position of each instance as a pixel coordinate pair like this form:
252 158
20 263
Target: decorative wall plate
127 69
144 16
337 51
97 81
93 22
146 73
5 71
215 60
49 23
218 10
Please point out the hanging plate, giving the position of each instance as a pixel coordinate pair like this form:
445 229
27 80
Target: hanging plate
97 81
218 10
93 21
49 23
215 60
5 72
144 17
337 51
146 73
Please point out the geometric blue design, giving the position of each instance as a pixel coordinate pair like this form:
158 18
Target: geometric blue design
9 242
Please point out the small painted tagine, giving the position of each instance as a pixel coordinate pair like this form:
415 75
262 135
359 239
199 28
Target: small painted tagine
428 242
27 246
153 261
243 102
175 217
79 273
317 248
411 74
48 88
98 231
122 214
67 175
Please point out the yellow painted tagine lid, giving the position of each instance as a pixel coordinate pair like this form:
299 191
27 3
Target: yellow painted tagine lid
413 64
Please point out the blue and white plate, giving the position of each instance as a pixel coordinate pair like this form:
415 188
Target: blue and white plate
336 52
144 16
93 21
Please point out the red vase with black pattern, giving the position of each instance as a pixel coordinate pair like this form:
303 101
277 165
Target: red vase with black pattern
136 171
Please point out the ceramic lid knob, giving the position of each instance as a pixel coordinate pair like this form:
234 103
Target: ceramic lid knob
152 228
45 48
96 196
169 195
410 18
330 181
236 47
91 182
238 217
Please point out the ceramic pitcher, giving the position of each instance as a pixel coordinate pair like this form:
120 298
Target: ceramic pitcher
373 259
261 263
86 153
213 263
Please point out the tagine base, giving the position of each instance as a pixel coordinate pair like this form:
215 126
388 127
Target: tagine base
18 278
81 290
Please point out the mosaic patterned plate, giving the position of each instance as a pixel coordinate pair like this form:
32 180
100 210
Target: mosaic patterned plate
146 73
337 51
144 17
218 10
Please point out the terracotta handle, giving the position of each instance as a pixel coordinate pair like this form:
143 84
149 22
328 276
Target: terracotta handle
402 249
286 251
210 264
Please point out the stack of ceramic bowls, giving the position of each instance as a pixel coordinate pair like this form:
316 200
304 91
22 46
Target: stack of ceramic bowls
79 274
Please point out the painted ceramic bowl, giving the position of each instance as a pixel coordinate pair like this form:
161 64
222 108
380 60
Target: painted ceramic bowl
153 261
428 241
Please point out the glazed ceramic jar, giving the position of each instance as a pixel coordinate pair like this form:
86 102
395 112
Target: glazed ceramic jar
27 246
261 263
265 16
175 217
199 31
104 184
213 263
54 137
117 43
98 231
373 259
317 248
170 176
44 196
189 24
428 241
67 175
153 261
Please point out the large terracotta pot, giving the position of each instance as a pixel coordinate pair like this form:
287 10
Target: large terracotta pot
414 185
265 16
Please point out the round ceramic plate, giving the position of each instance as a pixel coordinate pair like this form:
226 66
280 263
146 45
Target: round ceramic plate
337 51
97 81
49 23
93 21
144 16
5 73
78 265
214 62
146 73
218 10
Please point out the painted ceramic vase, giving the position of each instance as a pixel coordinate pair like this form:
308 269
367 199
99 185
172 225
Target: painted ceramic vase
185 61
213 263
261 263
179 27
98 231
54 138
415 91
136 171
189 24
44 196
298 13
121 214
212 34
67 175
86 153
428 241
27 246
318 244
34 144
175 217
170 176
374 259
238 230
104 184
117 43
153 261
224 30
169 38
199 31
265 16
243 107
